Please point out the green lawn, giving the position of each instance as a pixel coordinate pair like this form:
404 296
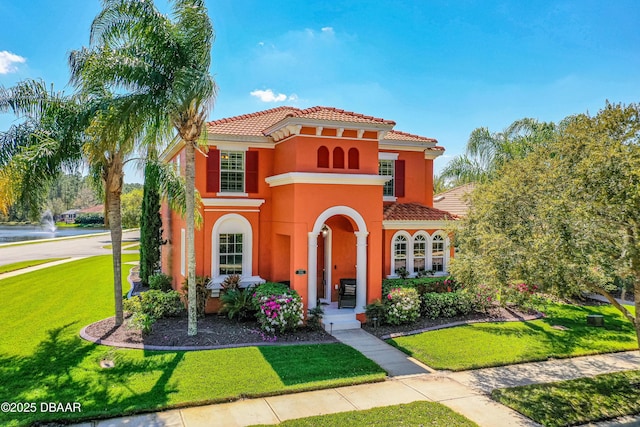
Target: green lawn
576 401
494 344
42 358
25 264
411 414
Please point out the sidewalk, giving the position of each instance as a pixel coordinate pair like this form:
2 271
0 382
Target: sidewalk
465 392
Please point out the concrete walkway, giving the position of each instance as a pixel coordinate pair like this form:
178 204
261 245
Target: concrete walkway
392 360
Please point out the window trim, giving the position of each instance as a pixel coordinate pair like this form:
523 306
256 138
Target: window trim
232 224
410 260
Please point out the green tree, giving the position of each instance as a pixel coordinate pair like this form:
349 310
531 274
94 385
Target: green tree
566 217
161 68
132 208
150 224
487 152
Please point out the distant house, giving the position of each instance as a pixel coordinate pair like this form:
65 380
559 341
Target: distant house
311 198
93 209
69 216
455 200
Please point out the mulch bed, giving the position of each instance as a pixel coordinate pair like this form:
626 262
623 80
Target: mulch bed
216 331
496 314
213 331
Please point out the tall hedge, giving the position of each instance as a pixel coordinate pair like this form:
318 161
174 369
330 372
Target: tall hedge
150 224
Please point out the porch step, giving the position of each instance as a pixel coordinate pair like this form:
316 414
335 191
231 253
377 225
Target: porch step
340 320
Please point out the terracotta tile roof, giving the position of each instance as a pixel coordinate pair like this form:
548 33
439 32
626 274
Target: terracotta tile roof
454 200
249 124
404 136
414 212
335 114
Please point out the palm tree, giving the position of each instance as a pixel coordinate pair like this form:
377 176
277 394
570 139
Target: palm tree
57 133
47 139
487 152
160 68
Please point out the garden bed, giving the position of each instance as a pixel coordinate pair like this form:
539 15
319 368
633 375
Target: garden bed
213 331
496 314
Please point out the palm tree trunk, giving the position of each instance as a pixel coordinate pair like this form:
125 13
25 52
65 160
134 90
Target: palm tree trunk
113 186
190 202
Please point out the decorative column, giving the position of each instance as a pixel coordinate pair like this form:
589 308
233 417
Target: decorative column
312 271
361 270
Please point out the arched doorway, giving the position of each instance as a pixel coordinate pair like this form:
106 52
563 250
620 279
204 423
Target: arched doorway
339 216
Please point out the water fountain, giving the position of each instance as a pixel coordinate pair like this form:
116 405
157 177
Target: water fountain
47 222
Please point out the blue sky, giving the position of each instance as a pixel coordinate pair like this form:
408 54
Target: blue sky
437 68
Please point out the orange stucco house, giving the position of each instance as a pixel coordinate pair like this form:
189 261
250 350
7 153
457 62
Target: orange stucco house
310 197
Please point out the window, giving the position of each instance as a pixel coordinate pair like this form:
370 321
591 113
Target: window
338 158
386 167
437 253
354 158
399 253
323 157
232 171
419 253
230 253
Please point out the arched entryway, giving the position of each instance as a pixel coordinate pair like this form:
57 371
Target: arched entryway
360 231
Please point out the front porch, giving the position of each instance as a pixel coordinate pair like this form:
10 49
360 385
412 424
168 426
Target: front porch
339 319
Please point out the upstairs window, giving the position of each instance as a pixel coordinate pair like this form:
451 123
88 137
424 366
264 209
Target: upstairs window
232 172
323 157
386 167
338 158
354 158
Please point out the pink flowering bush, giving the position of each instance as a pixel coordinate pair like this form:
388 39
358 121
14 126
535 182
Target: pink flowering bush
280 313
484 297
520 294
402 305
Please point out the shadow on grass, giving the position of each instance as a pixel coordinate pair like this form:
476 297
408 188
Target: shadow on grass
578 401
300 364
65 369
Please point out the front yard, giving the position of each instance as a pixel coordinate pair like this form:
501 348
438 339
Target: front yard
562 333
42 358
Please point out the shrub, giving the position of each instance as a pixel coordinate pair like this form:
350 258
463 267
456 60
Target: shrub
230 282
280 313
152 305
314 320
448 304
269 288
160 282
238 303
375 312
402 305
202 293
89 219
520 294
483 297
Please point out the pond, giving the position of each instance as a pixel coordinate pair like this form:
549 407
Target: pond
19 233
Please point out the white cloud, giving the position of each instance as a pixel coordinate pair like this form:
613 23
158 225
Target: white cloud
7 59
327 30
268 96
293 97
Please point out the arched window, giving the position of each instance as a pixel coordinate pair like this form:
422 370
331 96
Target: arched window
323 157
338 158
399 253
231 252
354 158
437 253
419 253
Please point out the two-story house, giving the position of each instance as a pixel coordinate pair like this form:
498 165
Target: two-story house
309 197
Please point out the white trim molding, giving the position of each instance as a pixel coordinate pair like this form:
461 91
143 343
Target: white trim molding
232 224
387 156
325 178
416 225
248 203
